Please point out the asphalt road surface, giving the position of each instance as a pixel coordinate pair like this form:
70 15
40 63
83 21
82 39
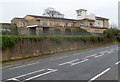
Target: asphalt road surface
94 64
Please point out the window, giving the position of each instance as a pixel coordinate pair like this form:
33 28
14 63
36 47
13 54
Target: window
66 24
98 23
91 24
57 24
22 24
97 30
81 24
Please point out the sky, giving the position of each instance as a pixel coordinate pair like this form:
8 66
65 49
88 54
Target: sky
19 8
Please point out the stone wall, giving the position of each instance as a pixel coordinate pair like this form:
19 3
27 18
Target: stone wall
29 48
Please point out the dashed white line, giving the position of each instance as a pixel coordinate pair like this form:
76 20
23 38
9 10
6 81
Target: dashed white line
79 62
99 55
52 70
87 56
110 52
103 52
94 78
94 55
68 62
23 65
117 63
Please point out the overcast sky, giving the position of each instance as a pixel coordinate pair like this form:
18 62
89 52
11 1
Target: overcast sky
20 8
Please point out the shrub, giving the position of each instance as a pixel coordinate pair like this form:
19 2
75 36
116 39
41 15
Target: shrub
10 40
111 32
56 39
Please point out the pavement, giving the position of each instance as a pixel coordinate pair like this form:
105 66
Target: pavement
97 64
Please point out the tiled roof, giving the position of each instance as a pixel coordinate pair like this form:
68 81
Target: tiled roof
55 18
101 18
18 18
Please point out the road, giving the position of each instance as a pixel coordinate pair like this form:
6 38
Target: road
89 65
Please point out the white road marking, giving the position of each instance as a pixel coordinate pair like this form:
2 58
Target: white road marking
68 62
87 56
110 51
23 65
104 52
117 63
52 70
94 78
13 79
99 55
94 55
26 74
59 58
90 56
79 62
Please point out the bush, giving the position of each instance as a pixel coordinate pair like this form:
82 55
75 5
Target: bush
57 31
111 32
8 41
11 40
56 39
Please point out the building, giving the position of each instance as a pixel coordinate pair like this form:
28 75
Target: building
32 24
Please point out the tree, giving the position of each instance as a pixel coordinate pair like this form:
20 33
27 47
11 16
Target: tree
51 12
112 32
10 29
14 29
68 31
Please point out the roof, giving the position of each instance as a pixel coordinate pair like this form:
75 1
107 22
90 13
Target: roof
5 23
99 18
32 26
87 19
54 18
81 10
19 19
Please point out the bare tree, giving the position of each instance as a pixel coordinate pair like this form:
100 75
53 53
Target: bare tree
51 12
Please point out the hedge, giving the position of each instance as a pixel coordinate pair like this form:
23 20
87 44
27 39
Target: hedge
11 40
